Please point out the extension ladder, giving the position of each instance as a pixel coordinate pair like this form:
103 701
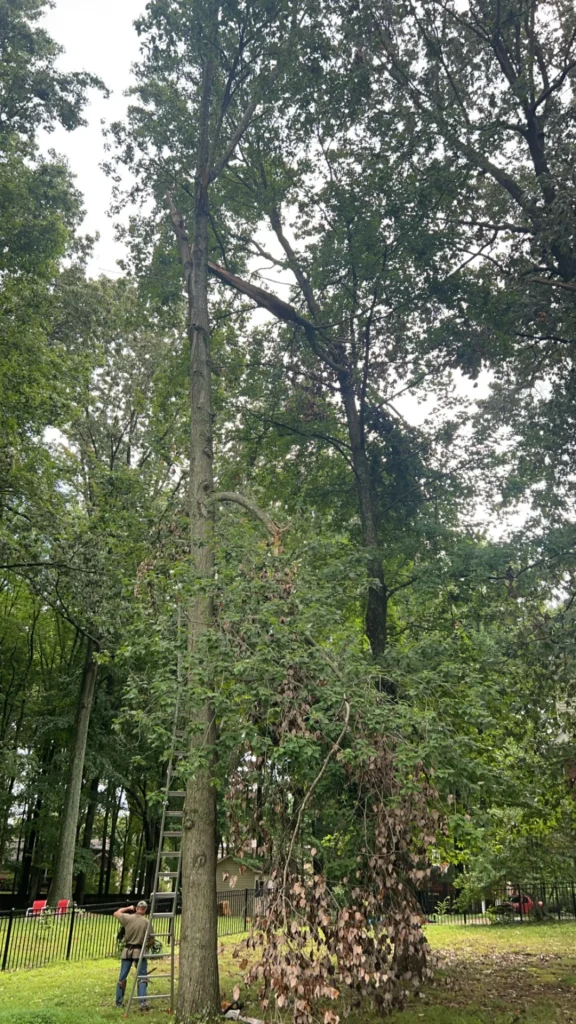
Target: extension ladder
164 903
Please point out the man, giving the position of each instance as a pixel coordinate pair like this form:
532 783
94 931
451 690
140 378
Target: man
135 935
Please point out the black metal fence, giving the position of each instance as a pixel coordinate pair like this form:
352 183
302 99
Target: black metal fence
35 940
507 904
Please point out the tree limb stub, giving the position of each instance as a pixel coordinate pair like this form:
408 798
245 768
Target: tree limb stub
274 530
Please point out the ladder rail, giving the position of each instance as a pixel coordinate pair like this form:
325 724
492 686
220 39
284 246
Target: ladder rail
166 832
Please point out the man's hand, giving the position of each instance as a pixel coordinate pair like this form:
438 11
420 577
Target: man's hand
124 910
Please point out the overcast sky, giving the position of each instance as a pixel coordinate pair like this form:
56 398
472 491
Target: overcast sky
98 36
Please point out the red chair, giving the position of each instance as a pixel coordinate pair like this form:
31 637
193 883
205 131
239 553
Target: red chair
37 908
62 906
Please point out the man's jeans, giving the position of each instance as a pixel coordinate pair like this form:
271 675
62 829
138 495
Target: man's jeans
125 966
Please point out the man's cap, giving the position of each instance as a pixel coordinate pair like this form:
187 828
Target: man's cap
142 903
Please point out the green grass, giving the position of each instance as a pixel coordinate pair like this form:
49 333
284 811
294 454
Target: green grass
496 975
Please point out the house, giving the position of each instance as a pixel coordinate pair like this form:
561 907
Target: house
232 873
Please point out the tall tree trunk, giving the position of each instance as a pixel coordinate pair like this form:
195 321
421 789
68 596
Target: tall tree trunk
125 845
198 988
103 842
136 871
87 838
61 887
152 840
377 604
28 851
5 825
19 848
115 813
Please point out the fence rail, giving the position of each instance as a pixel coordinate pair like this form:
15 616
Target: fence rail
90 933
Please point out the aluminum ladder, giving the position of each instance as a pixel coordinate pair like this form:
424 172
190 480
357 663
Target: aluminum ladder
164 903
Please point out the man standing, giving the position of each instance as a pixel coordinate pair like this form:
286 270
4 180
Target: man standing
135 936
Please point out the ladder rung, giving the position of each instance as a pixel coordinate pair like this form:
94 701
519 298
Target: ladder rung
164 895
181 753
174 814
156 977
172 835
157 995
170 853
176 792
171 914
168 874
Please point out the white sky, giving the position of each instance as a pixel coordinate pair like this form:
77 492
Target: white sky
99 37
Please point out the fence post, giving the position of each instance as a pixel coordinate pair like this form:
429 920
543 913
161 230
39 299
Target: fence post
245 909
7 943
71 931
520 905
573 899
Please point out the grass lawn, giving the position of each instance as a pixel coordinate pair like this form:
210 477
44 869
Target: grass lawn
489 975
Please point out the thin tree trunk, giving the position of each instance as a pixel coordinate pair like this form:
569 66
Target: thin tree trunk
8 801
28 851
136 872
115 813
198 989
87 838
103 841
18 849
61 887
128 827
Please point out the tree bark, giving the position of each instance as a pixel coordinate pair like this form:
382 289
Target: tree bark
198 989
61 887
87 838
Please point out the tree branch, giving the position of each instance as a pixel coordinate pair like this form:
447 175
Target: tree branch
554 284
239 499
280 309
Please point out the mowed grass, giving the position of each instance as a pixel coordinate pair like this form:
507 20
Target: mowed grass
486 975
